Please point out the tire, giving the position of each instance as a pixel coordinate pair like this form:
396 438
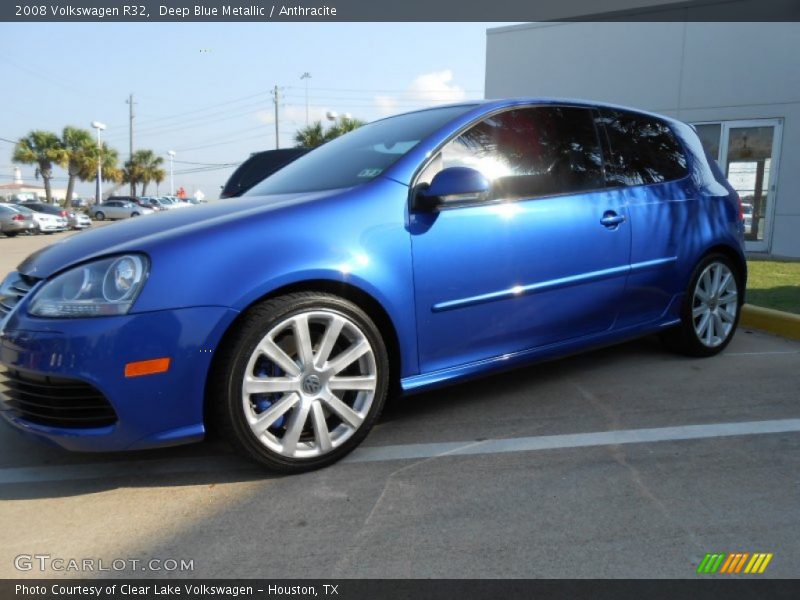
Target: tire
11 233
322 403
134 214
100 216
691 337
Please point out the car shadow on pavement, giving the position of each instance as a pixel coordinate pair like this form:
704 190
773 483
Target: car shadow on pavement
45 472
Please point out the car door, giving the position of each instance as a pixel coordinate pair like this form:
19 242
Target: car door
115 210
646 162
543 259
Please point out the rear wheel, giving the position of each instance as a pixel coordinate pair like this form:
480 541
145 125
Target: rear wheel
300 381
134 214
711 308
11 233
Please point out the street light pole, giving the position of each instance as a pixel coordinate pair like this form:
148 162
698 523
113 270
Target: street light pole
171 180
98 195
306 76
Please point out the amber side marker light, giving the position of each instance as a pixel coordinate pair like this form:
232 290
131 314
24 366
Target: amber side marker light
147 367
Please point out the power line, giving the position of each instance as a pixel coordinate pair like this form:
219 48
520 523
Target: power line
186 162
151 120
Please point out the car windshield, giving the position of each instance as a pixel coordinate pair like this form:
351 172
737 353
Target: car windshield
359 156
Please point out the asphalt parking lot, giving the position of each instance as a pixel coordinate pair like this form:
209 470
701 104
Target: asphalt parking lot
624 462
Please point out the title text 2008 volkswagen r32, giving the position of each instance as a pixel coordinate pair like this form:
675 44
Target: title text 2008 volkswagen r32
414 251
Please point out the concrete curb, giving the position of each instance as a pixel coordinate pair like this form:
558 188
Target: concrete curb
775 321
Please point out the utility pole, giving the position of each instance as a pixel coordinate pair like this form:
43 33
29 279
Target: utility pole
275 94
130 103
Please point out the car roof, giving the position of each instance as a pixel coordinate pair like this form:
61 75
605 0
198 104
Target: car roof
500 103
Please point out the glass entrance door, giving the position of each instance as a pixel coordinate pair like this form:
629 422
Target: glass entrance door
747 151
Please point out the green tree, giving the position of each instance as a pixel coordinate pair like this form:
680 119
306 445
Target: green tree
143 168
43 149
110 170
315 135
342 126
310 136
80 153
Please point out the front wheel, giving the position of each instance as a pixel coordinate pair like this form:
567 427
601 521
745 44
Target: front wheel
11 233
134 214
300 381
711 308
99 215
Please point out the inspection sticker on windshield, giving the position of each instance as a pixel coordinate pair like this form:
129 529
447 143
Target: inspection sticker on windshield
370 172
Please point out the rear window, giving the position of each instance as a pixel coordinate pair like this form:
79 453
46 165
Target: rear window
643 150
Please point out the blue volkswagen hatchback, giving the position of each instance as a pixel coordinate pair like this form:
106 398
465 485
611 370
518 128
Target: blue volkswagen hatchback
418 250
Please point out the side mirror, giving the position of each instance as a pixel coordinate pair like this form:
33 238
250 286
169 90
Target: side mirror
455 185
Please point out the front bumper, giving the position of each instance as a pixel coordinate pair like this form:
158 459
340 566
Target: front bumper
152 410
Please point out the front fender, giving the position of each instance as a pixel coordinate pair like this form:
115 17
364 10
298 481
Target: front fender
358 237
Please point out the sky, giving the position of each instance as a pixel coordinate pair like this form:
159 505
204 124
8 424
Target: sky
204 89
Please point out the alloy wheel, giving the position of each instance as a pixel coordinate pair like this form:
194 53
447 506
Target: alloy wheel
715 305
309 384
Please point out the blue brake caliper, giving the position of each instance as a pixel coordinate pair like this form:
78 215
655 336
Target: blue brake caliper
263 401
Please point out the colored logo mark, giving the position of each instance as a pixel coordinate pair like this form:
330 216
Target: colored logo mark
735 562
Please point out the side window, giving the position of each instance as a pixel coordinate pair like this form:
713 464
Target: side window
532 152
643 150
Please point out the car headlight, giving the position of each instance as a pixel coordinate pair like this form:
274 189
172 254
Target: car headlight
97 289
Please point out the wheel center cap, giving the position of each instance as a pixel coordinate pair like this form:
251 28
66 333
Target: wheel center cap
311 384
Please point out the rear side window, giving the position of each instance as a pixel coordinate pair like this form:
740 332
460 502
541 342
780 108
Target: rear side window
643 150
532 152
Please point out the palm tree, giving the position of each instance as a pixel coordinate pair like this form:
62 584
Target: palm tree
158 178
109 171
342 126
143 167
43 149
80 153
314 135
310 136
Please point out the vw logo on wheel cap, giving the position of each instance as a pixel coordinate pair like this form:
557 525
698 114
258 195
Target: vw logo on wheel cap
312 385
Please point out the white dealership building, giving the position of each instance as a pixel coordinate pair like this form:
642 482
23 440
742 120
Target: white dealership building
738 83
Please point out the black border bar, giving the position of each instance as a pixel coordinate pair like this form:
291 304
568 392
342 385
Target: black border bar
711 588
399 10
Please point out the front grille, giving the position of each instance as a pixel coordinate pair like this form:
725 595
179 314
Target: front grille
13 290
55 401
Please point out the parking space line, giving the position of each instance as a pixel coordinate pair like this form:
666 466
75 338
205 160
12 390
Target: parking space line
574 440
227 464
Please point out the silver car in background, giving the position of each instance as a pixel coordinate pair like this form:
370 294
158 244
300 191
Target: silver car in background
75 219
13 221
45 222
117 209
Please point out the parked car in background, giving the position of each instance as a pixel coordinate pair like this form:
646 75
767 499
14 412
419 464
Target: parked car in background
171 202
75 219
46 222
257 168
418 250
747 210
148 202
118 209
13 221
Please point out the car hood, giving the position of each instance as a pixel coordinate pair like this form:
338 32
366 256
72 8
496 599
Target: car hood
140 233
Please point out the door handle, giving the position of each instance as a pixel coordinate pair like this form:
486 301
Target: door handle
611 219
